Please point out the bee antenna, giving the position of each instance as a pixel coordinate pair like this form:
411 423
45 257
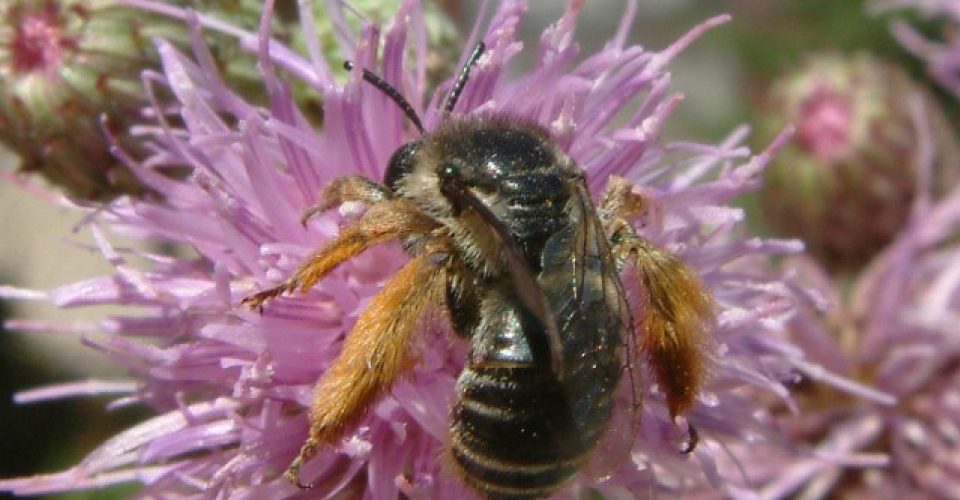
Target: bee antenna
457 88
390 92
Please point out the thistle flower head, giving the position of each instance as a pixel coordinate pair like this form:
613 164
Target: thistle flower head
230 385
846 183
895 331
892 329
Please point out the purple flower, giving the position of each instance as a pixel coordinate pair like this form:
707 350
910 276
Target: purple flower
941 56
230 385
895 330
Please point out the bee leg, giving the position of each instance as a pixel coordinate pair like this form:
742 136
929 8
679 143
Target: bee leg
677 309
374 353
348 188
693 438
384 221
618 202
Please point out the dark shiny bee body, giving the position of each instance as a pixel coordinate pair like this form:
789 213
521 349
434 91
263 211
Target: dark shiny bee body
519 428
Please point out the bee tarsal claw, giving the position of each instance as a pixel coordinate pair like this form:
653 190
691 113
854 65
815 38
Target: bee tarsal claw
293 474
256 301
312 212
693 438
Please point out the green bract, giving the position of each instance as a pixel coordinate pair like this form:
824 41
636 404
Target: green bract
68 66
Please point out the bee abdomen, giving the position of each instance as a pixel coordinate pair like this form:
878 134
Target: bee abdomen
507 481
513 436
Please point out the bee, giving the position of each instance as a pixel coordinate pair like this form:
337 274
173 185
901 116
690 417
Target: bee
501 229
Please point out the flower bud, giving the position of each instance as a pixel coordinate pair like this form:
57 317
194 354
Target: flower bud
847 182
66 64
62 64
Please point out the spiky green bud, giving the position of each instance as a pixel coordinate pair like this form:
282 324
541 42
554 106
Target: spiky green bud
64 64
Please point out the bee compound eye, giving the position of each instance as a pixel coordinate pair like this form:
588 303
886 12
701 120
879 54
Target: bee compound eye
401 163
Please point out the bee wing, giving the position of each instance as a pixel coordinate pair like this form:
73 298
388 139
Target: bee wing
585 293
597 287
613 451
526 286
581 279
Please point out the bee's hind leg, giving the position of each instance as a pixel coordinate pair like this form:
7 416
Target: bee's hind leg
676 310
377 349
374 354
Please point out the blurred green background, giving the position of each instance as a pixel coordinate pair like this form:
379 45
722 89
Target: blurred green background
722 76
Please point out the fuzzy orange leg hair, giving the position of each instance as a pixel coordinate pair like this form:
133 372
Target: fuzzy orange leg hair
677 309
377 349
374 354
382 222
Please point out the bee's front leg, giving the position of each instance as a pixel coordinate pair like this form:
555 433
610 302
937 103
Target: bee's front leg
677 310
382 222
348 188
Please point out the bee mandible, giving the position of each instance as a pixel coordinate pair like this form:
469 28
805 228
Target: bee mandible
501 229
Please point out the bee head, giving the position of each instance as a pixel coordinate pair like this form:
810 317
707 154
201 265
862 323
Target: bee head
431 175
417 173
403 161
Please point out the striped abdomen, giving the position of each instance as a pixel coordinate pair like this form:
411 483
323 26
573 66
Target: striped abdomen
513 436
517 431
